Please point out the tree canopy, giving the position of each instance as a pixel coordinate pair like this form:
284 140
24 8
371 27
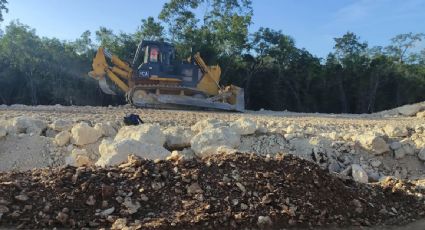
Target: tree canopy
3 8
276 74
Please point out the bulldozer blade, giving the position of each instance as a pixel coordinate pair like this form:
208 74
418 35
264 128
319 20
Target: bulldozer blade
240 101
105 87
195 102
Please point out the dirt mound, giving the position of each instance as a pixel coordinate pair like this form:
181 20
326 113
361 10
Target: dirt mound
228 191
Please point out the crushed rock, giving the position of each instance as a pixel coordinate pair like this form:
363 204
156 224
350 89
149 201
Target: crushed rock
278 192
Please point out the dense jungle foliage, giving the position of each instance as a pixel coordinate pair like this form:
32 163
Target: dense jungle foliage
276 74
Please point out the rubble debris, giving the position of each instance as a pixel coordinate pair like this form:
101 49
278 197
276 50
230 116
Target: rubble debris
283 191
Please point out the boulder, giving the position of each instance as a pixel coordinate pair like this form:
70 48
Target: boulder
107 129
28 125
244 126
178 137
117 152
62 138
61 125
208 124
78 158
208 141
395 131
373 143
83 134
359 174
146 133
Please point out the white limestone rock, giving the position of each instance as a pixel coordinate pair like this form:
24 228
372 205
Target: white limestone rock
209 140
395 131
28 125
62 138
107 129
185 154
244 126
61 125
146 133
208 124
375 144
83 134
178 137
78 158
117 152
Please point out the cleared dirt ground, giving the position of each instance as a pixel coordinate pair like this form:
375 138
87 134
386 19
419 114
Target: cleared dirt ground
292 170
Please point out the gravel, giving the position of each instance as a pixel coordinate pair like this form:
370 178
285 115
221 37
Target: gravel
268 170
283 191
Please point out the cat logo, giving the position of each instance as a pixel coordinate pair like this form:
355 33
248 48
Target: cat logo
144 74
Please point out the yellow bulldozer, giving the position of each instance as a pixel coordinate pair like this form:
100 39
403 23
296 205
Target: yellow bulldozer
155 79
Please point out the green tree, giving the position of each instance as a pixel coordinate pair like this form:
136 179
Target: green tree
84 44
21 46
224 26
3 8
181 21
352 54
421 58
402 44
348 48
150 30
106 37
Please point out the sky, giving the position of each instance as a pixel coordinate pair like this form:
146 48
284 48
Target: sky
312 23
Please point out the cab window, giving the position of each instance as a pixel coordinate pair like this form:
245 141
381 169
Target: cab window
154 54
146 54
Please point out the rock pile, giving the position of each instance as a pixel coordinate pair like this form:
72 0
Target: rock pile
190 157
379 151
222 191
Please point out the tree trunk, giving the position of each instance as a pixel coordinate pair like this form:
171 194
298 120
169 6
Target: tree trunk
294 93
372 95
3 99
342 95
33 90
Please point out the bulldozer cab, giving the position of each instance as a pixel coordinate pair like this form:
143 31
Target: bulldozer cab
154 58
157 59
